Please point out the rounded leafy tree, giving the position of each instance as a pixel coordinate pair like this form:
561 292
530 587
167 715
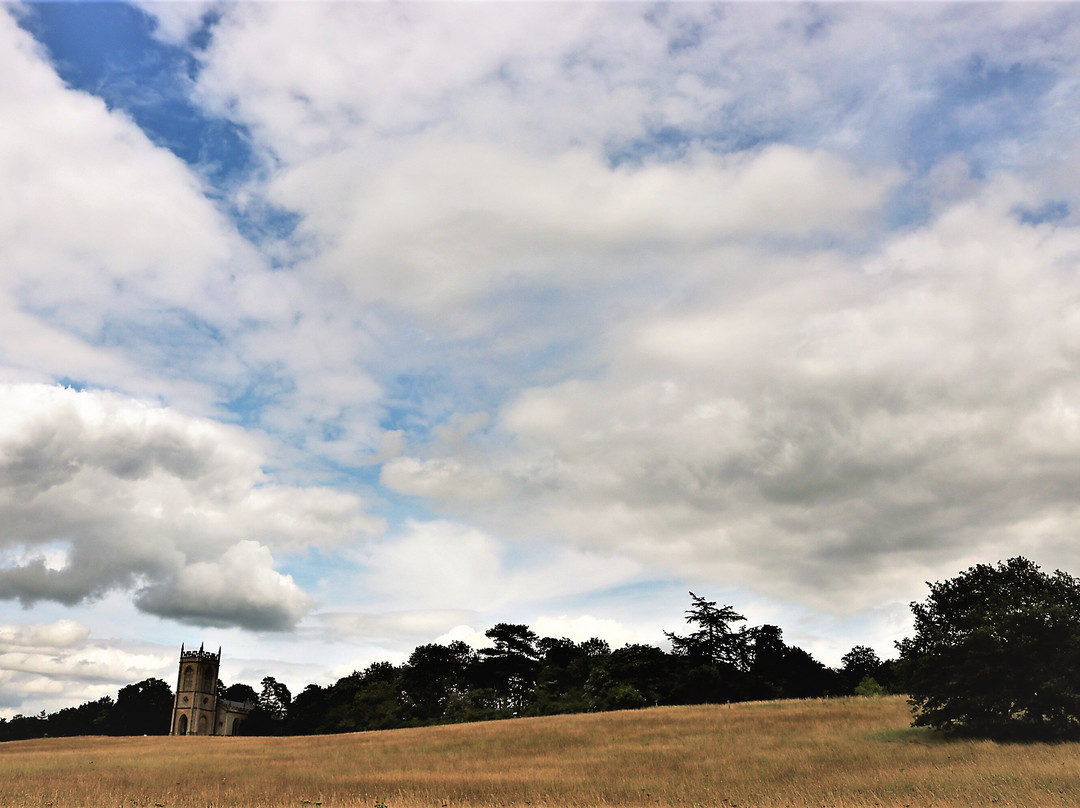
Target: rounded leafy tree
996 653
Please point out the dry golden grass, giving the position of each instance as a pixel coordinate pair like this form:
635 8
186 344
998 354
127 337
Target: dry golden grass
845 752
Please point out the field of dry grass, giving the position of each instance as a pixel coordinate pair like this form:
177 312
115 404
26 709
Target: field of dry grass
845 752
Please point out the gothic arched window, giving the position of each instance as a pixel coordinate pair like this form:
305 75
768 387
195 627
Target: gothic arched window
189 678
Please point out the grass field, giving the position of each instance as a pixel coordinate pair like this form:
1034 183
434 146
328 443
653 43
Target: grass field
844 752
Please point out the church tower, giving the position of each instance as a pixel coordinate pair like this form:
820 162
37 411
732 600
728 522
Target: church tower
195 705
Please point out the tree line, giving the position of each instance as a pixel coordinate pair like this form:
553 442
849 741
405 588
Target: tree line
995 654
521 674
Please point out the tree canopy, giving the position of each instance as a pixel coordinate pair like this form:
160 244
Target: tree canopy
144 708
996 653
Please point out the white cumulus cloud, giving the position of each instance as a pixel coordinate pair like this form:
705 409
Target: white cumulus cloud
147 500
825 430
240 588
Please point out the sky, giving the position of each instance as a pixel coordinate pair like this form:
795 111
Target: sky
332 329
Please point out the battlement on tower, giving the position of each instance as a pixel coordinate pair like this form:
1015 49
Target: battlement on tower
199 656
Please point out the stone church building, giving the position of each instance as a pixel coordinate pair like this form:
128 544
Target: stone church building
197 707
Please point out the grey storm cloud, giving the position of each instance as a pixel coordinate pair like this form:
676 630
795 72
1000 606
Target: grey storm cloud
101 493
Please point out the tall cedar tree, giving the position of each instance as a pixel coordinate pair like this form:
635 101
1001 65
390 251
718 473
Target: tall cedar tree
715 641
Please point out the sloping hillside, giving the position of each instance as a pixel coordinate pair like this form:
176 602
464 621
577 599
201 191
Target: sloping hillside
844 752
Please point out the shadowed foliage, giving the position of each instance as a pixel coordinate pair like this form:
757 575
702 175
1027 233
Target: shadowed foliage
996 653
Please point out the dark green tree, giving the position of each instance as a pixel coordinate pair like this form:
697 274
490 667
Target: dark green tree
338 713
275 698
565 667
768 661
996 653
806 678
779 670
376 702
144 708
510 666
307 711
632 676
240 693
363 700
861 666
20 727
91 718
434 678
714 641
